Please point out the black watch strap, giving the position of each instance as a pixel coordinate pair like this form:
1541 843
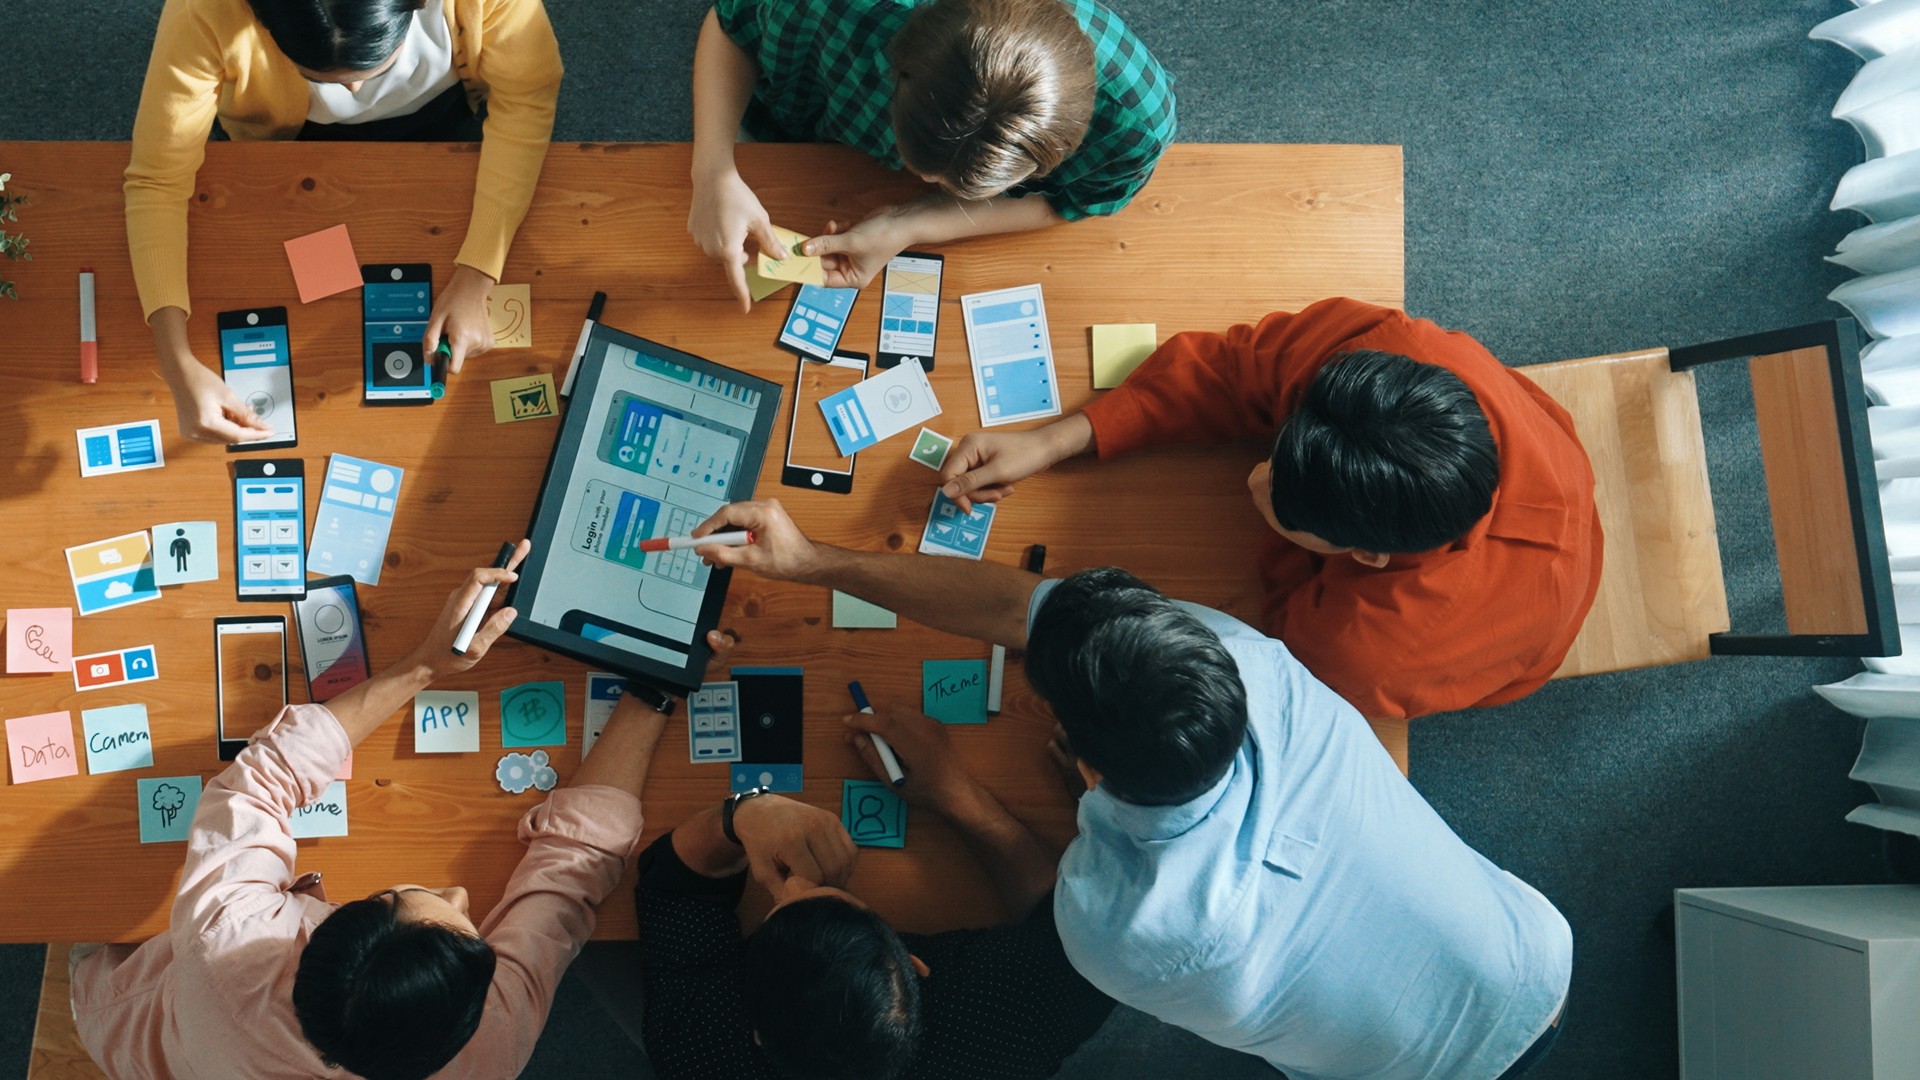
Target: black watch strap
727 808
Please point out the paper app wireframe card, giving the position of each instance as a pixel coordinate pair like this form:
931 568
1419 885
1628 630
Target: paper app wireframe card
880 408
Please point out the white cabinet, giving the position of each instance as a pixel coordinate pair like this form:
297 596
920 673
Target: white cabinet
1801 983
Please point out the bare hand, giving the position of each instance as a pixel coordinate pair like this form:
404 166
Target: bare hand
725 214
209 410
984 465
460 315
786 839
779 549
850 257
934 778
436 653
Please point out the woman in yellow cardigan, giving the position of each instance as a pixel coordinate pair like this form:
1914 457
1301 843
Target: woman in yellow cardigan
340 69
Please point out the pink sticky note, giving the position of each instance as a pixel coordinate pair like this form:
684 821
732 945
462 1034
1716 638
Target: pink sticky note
39 640
323 263
41 747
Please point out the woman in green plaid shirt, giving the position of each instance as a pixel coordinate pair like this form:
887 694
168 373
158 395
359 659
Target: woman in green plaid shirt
1024 113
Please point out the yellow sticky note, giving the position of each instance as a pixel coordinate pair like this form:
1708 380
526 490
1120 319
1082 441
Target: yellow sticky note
510 310
529 397
761 287
804 269
1118 349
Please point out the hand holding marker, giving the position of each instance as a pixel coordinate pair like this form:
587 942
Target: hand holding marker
478 612
894 775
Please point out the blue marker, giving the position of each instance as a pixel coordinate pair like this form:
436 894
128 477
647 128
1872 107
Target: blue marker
860 702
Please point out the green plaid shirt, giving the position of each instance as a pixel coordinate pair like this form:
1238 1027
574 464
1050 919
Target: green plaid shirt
825 77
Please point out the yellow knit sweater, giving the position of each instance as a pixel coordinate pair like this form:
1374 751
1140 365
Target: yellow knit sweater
213 56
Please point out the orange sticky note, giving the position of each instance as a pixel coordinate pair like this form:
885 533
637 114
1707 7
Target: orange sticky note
41 747
39 640
323 263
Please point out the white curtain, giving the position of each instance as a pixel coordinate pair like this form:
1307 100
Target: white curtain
1883 106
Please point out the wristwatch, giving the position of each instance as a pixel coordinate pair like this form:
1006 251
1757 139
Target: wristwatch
733 802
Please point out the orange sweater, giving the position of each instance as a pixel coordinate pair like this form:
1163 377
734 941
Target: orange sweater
1483 621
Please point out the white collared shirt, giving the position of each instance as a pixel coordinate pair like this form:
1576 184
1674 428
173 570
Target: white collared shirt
422 71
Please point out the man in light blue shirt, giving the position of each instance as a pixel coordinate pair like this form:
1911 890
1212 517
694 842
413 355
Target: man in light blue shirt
1251 866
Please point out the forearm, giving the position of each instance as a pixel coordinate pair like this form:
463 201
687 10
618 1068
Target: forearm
939 217
170 345
1022 869
367 706
624 751
705 849
980 600
723 78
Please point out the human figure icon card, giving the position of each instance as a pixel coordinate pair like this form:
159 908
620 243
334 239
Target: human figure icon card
873 814
186 551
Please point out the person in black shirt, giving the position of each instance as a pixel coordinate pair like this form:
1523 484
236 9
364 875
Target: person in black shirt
824 989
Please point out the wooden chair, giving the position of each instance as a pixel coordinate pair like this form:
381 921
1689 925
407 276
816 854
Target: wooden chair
57 1053
1662 594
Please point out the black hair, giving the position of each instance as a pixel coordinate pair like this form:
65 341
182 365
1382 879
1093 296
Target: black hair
1147 694
831 992
1386 454
389 999
336 35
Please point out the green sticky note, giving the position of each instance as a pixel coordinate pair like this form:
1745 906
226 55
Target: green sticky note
930 449
954 691
853 613
534 714
873 814
1118 349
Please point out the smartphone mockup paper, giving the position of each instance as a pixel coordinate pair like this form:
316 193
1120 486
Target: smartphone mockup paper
818 318
333 644
250 687
269 530
258 367
395 300
910 309
814 462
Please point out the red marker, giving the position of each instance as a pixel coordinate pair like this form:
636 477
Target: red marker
89 347
681 543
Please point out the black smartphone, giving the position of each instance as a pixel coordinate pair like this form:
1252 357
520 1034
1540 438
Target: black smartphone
395 300
250 662
813 458
333 643
270 529
258 367
910 308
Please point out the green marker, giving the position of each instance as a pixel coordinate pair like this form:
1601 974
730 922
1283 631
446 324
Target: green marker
441 354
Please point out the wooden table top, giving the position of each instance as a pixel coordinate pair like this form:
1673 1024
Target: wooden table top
1223 234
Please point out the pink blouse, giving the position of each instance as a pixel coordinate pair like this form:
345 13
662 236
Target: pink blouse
213 996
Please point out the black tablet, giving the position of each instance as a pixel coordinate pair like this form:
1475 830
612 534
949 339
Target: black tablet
654 441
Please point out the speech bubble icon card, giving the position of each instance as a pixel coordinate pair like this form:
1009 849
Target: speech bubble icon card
954 691
446 722
41 747
324 816
117 738
530 397
510 312
39 640
873 814
534 714
166 806
186 551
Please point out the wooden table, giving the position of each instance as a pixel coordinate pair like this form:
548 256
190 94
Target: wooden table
1223 234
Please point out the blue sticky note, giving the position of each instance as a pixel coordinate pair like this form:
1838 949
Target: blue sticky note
166 806
324 816
446 722
534 714
873 814
117 738
954 691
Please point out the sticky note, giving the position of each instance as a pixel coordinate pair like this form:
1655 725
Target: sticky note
762 287
930 449
166 805
954 691
803 269
853 613
530 397
117 738
39 640
324 816
41 747
510 313
603 693
1120 348
119 448
873 814
950 532
446 722
185 551
112 573
534 714
323 263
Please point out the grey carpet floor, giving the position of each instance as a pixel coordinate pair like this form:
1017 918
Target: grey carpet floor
1582 177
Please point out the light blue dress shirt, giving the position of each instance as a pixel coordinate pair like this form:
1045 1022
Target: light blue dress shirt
1311 908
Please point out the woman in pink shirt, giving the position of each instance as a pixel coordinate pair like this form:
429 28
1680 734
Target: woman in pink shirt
259 976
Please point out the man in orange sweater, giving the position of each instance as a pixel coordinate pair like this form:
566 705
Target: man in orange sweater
1437 546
